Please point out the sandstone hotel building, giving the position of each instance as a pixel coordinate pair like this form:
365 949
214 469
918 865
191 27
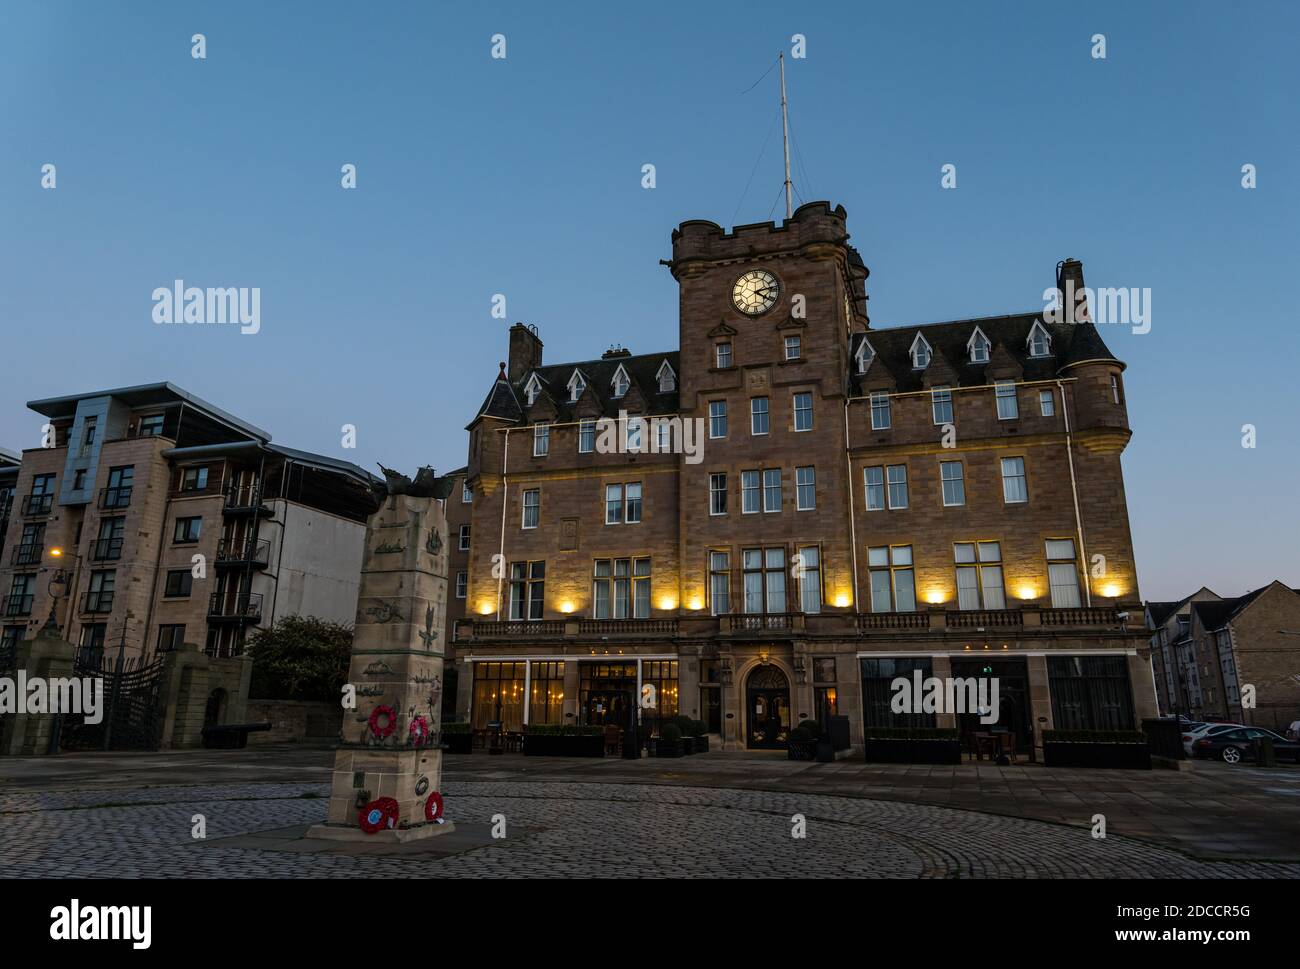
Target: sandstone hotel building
945 497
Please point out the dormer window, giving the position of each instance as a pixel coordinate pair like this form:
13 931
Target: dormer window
920 353
667 378
1040 341
576 385
621 382
532 389
864 356
978 347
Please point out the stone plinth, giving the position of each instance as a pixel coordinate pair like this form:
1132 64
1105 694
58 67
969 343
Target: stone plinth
389 742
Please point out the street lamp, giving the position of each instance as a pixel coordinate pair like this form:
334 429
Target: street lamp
59 586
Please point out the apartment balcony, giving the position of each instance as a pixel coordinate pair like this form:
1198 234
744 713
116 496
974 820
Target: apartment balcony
238 553
96 603
245 607
18 605
6 508
105 550
245 501
574 628
112 498
890 621
762 623
26 555
35 506
985 619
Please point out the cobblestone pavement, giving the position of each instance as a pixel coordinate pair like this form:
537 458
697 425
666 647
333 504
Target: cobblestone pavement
571 829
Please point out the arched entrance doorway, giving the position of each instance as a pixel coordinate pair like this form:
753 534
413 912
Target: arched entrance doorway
767 692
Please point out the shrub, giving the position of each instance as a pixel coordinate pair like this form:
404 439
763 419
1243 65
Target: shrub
563 729
910 733
671 733
300 658
1094 736
683 723
811 727
698 728
801 735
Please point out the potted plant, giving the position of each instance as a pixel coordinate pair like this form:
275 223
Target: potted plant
670 741
802 744
1123 749
700 732
457 738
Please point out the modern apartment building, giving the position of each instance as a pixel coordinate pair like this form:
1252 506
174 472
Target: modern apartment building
1229 659
790 510
9 462
154 518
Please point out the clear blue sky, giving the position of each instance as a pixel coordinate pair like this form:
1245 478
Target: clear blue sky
480 176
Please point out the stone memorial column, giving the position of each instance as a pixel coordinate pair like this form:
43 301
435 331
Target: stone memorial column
388 766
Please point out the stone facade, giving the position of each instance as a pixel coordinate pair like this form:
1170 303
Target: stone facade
796 565
153 519
1209 650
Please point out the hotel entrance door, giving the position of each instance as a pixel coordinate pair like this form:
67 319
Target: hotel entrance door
767 693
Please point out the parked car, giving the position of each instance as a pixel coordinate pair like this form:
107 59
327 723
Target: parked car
1203 729
1236 744
1293 731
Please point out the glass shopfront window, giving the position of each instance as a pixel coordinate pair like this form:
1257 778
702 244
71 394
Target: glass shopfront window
605 690
1090 693
546 701
878 676
662 675
498 695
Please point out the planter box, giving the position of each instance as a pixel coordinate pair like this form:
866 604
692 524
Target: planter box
1058 753
701 744
547 745
457 743
913 751
825 752
668 748
801 749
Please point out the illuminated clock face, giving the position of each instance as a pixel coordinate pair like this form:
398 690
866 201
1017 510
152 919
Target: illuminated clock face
755 292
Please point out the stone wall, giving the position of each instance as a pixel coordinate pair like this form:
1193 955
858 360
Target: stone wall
295 721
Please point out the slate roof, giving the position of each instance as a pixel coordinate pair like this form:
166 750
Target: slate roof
508 402
1215 615
1160 611
1071 343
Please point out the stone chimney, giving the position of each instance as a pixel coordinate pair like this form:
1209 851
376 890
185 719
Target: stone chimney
1069 283
613 353
525 351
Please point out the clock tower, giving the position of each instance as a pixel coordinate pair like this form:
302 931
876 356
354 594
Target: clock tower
767 315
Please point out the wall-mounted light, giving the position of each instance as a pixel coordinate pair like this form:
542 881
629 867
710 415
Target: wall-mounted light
1027 592
1111 590
566 607
668 603
842 600
935 596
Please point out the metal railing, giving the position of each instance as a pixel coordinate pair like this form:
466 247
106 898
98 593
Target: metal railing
37 505
243 606
97 601
239 551
29 554
118 497
18 604
246 498
105 549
